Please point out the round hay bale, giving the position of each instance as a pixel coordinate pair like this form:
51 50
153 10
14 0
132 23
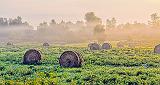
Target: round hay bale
9 43
106 46
157 49
94 46
46 44
32 56
120 45
70 59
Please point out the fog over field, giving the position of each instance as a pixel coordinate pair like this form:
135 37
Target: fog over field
77 21
79 42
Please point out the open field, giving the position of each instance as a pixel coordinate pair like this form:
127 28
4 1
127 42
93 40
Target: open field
80 42
117 66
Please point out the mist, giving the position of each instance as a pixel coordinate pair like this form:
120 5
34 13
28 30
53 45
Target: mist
91 29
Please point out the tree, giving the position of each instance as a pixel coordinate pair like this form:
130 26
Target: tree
155 21
19 20
111 23
15 22
43 26
92 20
3 22
99 29
53 22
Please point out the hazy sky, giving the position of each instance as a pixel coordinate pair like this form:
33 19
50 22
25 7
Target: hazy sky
36 11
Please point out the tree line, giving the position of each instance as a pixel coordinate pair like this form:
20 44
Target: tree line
4 22
91 28
91 21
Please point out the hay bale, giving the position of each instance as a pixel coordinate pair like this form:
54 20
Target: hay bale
94 46
157 49
70 59
46 44
32 56
120 45
9 43
106 46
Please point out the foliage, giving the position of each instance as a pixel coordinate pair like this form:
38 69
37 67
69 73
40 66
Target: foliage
118 66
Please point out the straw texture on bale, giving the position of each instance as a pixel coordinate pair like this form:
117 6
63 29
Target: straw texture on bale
157 49
32 56
106 46
94 46
70 59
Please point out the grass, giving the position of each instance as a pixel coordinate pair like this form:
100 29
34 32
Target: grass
138 66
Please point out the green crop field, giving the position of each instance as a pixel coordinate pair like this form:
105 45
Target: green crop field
126 66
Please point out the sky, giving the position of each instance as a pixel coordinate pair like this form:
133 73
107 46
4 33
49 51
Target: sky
36 11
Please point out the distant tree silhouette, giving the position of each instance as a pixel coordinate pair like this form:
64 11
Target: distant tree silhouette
92 20
16 21
111 23
53 22
13 22
155 21
99 29
42 26
3 22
